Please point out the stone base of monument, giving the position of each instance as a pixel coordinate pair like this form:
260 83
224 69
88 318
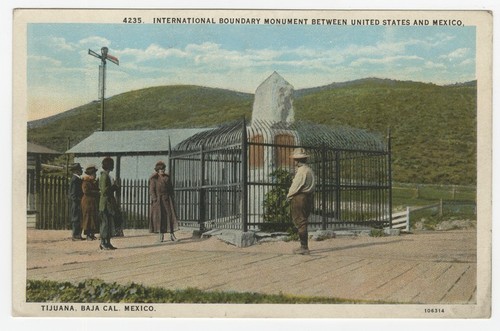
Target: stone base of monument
234 237
244 239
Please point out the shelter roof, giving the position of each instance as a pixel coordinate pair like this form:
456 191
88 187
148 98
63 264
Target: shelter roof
39 149
132 141
310 135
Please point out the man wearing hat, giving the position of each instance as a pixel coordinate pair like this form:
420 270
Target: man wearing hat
75 196
301 196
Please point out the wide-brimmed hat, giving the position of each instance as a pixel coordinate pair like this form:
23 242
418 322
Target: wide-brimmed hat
299 153
75 166
160 165
90 169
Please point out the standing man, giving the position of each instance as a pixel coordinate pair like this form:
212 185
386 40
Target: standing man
301 195
75 195
108 207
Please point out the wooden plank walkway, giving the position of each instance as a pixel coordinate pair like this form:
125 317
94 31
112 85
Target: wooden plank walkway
420 268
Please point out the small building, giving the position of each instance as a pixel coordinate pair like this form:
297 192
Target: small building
135 152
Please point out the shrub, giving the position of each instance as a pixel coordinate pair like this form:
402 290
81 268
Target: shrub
276 207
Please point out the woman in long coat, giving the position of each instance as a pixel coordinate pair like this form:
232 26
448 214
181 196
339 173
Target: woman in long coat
90 202
163 218
109 211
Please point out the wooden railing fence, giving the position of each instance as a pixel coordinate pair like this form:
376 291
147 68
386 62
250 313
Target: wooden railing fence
402 220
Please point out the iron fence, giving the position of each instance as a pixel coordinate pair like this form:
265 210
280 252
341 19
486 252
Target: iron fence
236 176
135 203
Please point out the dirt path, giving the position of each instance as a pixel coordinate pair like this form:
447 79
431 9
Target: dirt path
426 267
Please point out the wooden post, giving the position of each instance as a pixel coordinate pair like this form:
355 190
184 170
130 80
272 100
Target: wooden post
67 158
38 191
117 180
407 218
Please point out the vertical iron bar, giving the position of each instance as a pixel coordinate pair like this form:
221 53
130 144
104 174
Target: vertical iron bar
389 175
244 177
202 191
337 184
323 191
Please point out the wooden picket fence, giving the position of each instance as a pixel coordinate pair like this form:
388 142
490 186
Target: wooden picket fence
53 205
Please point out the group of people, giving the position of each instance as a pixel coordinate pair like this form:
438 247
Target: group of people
94 204
94 207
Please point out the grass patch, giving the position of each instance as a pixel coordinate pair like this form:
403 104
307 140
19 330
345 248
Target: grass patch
377 233
97 291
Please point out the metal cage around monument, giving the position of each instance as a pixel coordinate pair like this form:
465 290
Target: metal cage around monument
229 177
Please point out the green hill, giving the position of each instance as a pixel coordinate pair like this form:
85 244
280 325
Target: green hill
433 127
150 108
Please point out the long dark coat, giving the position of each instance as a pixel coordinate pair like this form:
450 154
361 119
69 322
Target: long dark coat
108 206
75 196
163 217
90 205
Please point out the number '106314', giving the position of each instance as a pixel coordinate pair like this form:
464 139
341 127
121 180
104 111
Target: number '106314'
434 310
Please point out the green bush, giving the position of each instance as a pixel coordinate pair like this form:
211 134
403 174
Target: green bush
276 206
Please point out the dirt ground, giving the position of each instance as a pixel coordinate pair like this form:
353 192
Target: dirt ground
423 267
54 247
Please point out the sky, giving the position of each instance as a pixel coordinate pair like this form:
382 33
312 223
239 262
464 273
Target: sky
62 75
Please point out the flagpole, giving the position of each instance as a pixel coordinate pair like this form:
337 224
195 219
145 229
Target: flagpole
104 55
103 78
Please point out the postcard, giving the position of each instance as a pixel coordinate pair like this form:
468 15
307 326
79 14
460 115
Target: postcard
196 163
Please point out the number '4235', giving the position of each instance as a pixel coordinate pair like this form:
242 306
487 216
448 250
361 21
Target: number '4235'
132 20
